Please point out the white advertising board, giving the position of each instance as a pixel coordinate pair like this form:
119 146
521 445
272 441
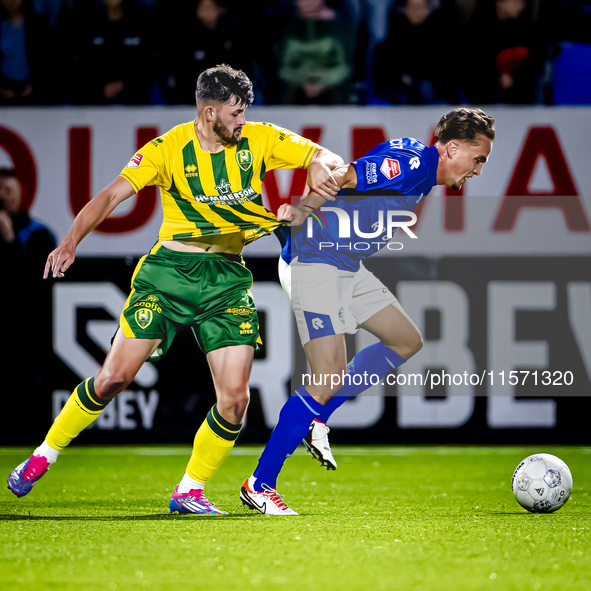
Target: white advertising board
532 197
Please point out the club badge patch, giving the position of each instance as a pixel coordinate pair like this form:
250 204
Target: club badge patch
244 159
135 161
144 317
390 168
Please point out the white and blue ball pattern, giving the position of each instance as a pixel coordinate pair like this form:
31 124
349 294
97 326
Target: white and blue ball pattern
542 483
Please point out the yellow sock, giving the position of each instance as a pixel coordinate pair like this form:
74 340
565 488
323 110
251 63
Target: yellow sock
213 443
81 409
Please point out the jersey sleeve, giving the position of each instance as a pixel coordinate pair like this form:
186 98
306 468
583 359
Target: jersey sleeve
147 166
388 169
286 149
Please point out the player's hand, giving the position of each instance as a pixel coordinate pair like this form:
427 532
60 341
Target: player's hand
321 180
288 212
60 259
284 212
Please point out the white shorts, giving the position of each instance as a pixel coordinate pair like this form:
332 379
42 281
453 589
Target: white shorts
326 300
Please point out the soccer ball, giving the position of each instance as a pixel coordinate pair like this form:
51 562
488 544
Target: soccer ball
542 483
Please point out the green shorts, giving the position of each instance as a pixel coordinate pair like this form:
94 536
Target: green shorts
208 292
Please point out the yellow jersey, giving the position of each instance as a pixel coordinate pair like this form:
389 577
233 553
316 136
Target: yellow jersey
206 193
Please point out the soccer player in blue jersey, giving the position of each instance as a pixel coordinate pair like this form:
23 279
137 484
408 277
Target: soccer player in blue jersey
332 293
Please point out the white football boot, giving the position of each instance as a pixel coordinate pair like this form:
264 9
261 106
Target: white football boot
267 502
316 442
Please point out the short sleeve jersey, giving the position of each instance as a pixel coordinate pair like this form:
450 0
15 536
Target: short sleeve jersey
205 193
393 176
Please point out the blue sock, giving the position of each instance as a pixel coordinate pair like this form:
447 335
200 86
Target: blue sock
295 419
375 359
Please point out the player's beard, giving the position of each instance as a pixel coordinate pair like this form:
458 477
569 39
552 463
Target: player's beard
227 138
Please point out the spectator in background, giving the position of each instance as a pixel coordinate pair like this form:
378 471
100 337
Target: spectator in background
26 57
109 53
50 9
506 55
316 54
406 68
205 35
25 244
576 24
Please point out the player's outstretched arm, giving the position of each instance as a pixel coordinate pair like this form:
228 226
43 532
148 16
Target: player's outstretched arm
92 214
321 172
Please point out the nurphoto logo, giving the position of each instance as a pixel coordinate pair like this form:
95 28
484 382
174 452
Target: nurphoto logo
382 229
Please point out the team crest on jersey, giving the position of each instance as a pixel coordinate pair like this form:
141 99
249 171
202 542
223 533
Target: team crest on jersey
144 317
135 161
244 159
390 168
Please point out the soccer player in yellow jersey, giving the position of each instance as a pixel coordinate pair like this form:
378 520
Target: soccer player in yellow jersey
210 173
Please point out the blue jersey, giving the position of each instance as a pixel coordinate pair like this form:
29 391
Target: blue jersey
394 176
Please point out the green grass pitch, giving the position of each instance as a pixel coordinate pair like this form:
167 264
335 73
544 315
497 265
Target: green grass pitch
420 518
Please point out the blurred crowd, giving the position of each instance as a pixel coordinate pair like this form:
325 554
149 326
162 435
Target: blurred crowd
136 52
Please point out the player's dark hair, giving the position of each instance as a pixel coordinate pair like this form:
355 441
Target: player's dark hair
464 124
10 173
219 84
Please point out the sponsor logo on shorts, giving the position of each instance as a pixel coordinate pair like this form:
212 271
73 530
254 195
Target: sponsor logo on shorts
149 304
317 323
342 315
144 317
390 168
135 161
246 328
244 159
239 311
